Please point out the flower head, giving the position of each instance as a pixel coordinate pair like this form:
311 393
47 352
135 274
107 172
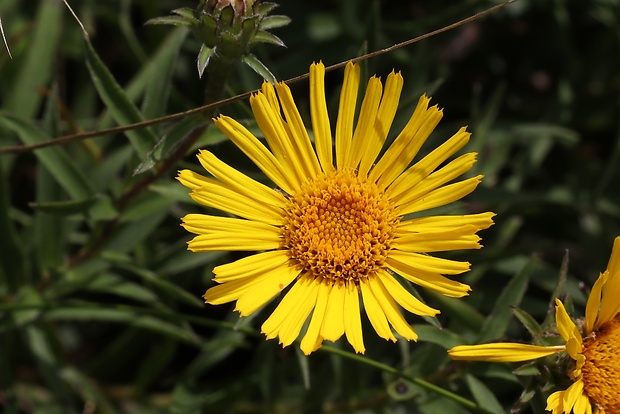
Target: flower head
337 227
596 370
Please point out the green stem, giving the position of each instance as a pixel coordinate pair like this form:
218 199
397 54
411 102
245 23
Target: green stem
418 381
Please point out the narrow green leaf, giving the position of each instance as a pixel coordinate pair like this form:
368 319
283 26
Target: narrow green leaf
167 289
11 271
497 322
266 37
54 159
483 395
528 321
203 58
117 102
158 87
128 317
62 208
258 67
172 20
116 285
273 22
37 69
186 12
443 337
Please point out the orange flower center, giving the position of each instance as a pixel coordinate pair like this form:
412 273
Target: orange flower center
338 227
601 369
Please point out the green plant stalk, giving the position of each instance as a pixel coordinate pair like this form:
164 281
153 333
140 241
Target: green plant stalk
418 381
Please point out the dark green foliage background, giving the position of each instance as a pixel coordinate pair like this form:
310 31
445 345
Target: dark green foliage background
100 305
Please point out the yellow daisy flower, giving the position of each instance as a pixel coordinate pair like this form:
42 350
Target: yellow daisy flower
337 228
596 374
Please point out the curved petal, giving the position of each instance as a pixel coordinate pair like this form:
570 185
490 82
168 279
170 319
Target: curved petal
353 319
390 309
566 326
320 117
423 168
266 289
594 302
365 123
250 266
571 395
288 318
346 113
407 144
431 264
400 193
436 223
216 195
375 313
333 321
312 340
429 280
440 196
257 152
554 402
459 238
298 133
238 181
385 115
502 352
403 297
227 233
233 290
276 133
610 305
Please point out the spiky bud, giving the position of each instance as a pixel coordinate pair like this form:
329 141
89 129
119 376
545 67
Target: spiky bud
229 29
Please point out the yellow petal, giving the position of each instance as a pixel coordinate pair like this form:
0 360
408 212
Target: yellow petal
610 305
288 318
403 297
333 321
458 238
312 340
298 132
271 124
250 266
431 264
571 395
594 302
423 168
502 352
391 310
352 318
440 196
257 152
320 117
375 313
554 402
346 113
566 326
365 122
429 280
434 223
385 115
266 289
217 196
407 144
240 182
